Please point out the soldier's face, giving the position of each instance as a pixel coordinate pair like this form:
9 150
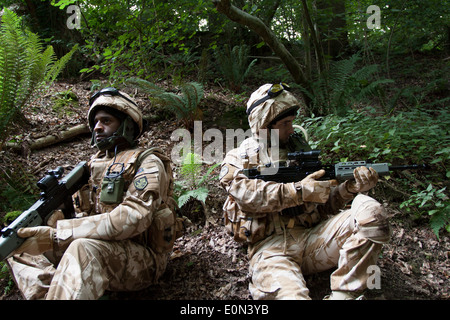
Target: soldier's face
105 125
285 128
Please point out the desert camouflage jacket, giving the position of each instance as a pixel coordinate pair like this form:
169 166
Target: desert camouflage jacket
253 201
147 190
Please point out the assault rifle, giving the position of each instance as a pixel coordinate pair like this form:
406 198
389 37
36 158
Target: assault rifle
308 162
54 194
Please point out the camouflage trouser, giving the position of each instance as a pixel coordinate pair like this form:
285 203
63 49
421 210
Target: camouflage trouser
87 268
350 241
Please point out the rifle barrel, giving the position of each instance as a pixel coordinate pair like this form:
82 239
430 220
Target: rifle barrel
411 166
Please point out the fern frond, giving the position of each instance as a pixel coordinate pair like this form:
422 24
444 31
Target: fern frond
144 85
58 66
24 67
233 64
184 106
200 194
335 89
192 94
191 168
205 178
371 88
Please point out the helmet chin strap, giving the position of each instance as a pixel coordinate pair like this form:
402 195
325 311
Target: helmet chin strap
123 137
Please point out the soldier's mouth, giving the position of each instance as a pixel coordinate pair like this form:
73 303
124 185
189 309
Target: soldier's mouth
99 137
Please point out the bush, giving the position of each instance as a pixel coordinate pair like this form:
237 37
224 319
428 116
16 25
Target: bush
413 136
433 202
404 138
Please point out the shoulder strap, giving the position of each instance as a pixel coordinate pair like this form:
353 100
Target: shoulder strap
146 152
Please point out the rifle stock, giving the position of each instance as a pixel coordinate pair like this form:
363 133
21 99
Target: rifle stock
54 194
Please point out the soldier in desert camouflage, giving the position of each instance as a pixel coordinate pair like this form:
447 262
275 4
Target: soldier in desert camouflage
285 244
125 225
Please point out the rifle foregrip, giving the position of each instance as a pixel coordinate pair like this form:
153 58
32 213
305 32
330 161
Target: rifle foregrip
344 170
9 240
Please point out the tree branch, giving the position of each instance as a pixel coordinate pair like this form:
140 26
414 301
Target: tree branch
52 139
256 25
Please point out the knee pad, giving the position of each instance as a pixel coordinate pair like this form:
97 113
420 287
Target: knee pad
370 219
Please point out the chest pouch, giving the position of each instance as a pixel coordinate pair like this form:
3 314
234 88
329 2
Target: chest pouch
113 184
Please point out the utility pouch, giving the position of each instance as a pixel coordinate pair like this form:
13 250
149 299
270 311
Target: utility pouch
163 231
243 228
112 188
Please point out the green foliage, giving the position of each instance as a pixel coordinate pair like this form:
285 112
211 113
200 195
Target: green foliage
11 216
17 192
336 89
407 137
185 106
412 25
64 102
63 3
4 274
148 39
434 202
25 67
233 64
193 182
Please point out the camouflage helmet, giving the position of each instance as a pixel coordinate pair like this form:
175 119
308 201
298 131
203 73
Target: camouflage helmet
122 106
115 99
269 103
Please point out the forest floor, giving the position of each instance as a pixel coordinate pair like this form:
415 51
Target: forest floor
206 263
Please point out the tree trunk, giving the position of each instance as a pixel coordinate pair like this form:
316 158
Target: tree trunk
336 30
315 39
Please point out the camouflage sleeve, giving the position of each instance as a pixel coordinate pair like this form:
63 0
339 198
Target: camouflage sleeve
130 218
339 197
255 195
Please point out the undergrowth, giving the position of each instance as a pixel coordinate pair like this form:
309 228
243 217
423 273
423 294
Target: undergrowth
193 181
410 137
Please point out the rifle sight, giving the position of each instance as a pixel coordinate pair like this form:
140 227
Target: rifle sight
304 155
50 180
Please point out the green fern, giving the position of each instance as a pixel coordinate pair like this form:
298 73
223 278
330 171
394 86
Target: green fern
144 85
199 194
440 220
191 168
185 106
192 182
334 90
25 67
233 64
